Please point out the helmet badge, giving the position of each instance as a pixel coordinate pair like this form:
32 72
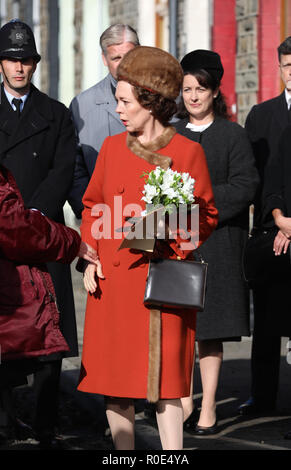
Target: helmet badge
19 36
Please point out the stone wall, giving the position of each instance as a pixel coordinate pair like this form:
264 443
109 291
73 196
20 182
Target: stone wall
247 57
78 46
181 35
43 46
124 11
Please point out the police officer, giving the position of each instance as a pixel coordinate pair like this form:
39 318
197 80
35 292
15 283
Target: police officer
37 144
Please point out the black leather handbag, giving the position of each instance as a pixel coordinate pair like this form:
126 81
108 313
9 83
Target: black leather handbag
176 283
259 261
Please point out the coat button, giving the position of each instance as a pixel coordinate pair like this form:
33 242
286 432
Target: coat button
120 189
35 154
116 263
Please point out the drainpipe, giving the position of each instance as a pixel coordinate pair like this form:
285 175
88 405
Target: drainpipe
173 27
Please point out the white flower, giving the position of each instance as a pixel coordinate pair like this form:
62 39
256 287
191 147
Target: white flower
166 187
157 171
168 179
170 192
149 193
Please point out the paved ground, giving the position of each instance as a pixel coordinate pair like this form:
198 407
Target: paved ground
82 415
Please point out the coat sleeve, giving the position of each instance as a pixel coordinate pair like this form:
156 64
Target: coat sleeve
81 176
28 237
203 193
238 192
273 193
53 191
93 200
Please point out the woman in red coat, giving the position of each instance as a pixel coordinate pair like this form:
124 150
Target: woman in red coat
117 353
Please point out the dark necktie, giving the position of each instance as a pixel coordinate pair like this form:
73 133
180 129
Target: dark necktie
113 89
17 104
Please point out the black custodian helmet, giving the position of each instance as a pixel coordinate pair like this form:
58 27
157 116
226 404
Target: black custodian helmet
17 41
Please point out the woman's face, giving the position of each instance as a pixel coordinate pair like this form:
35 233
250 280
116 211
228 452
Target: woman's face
198 100
134 116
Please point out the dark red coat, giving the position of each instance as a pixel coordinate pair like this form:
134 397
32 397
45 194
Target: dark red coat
29 318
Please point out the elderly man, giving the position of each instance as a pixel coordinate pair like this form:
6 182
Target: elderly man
94 112
38 145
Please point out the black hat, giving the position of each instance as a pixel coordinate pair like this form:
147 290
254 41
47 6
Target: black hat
17 41
203 59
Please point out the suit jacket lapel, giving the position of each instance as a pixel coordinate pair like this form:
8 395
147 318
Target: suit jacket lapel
281 111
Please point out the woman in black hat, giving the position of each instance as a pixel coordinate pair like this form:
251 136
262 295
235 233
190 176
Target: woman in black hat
234 179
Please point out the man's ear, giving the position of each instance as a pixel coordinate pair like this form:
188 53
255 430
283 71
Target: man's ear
104 60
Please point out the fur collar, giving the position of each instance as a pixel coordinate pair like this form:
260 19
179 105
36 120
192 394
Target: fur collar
148 151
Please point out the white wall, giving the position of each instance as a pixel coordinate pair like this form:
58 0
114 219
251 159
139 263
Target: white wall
146 22
66 51
197 20
95 22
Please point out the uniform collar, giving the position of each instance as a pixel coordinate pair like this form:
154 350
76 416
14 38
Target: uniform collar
37 100
11 97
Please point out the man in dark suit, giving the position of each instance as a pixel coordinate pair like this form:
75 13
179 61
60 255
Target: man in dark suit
38 145
265 124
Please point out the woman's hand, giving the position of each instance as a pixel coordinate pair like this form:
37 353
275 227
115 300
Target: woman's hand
281 244
87 252
90 273
282 222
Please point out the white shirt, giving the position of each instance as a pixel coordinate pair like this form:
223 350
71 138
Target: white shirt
10 98
201 128
288 98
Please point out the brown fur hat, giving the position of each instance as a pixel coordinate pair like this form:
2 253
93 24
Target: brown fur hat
152 69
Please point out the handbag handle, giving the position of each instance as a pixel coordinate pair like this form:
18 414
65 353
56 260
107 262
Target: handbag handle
197 254
200 260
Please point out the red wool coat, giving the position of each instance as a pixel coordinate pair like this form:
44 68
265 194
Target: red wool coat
29 318
116 338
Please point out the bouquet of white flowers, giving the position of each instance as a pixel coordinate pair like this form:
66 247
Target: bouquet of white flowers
167 188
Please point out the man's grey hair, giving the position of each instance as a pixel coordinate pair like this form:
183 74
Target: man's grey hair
118 34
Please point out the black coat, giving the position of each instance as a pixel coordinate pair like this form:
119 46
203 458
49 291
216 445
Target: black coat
234 180
277 188
266 124
39 150
277 195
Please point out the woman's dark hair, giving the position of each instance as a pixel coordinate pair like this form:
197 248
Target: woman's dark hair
162 108
207 81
